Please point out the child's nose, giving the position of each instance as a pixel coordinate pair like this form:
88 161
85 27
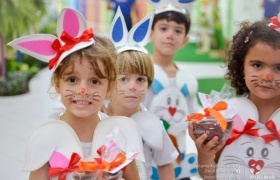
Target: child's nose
83 90
132 86
267 76
170 35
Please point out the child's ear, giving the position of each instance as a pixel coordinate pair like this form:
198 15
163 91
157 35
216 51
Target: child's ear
56 86
152 36
185 41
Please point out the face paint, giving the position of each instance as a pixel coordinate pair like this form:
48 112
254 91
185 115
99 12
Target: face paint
131 89
267 76
83 90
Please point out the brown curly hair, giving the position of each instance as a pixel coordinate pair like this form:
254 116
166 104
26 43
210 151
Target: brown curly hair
238 48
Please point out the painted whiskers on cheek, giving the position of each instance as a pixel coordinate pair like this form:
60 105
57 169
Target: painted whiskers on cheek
125 92
92 97
268 83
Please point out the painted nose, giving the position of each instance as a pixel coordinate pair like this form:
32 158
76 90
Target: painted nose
170 35
267 76
132 86
83 90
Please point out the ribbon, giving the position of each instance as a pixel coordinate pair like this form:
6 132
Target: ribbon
235 134
275 134
175 144
221 105
61 172
275 24
70 42
104 165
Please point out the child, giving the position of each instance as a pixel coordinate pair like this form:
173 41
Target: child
83 72
135 75
173 92
252 152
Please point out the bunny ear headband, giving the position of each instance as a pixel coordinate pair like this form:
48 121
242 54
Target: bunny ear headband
72 36
170 5
135 39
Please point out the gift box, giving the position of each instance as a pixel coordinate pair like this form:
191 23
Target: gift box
216 120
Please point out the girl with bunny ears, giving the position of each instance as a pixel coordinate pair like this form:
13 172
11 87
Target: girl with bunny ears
173 93
135 75
252 152
83 73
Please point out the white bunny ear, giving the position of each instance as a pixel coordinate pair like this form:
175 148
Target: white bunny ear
71 22
73 35
38 46
170 5
139 35
159 5
136 38
118 31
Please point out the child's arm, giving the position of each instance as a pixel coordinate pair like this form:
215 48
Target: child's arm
41 173
206 154
166 172
131 172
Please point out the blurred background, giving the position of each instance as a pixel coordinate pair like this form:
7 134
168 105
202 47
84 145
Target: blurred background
213 24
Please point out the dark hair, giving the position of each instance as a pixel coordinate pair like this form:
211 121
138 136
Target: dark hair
177 17
237 49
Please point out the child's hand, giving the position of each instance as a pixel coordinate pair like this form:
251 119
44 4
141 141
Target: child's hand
205 151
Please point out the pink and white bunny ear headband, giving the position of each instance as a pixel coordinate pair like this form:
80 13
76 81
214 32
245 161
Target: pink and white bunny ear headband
72 35
170 5
275 23
135 39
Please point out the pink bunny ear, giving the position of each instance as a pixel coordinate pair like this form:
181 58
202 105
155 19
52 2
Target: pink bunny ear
71 22
72 36
238 124
38 46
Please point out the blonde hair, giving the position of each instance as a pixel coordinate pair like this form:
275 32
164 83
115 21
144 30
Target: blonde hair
135 62
102 50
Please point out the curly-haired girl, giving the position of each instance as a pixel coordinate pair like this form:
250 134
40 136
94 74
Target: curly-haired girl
254 71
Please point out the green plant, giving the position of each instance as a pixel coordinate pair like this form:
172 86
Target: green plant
16 83
18 77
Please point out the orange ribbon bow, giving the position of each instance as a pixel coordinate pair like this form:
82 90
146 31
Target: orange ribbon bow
70 42
275 134
103 165
61 172
247 130
221 105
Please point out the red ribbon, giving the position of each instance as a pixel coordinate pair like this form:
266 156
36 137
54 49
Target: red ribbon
70 42
275 22
247 130
275 134
61 172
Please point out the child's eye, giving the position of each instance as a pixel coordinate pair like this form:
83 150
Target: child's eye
123 79
178 31
95 81
277 68
141 79
258 66
71 79
163 29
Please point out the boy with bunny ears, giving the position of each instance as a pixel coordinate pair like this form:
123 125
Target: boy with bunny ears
75 145
135 75
173 93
